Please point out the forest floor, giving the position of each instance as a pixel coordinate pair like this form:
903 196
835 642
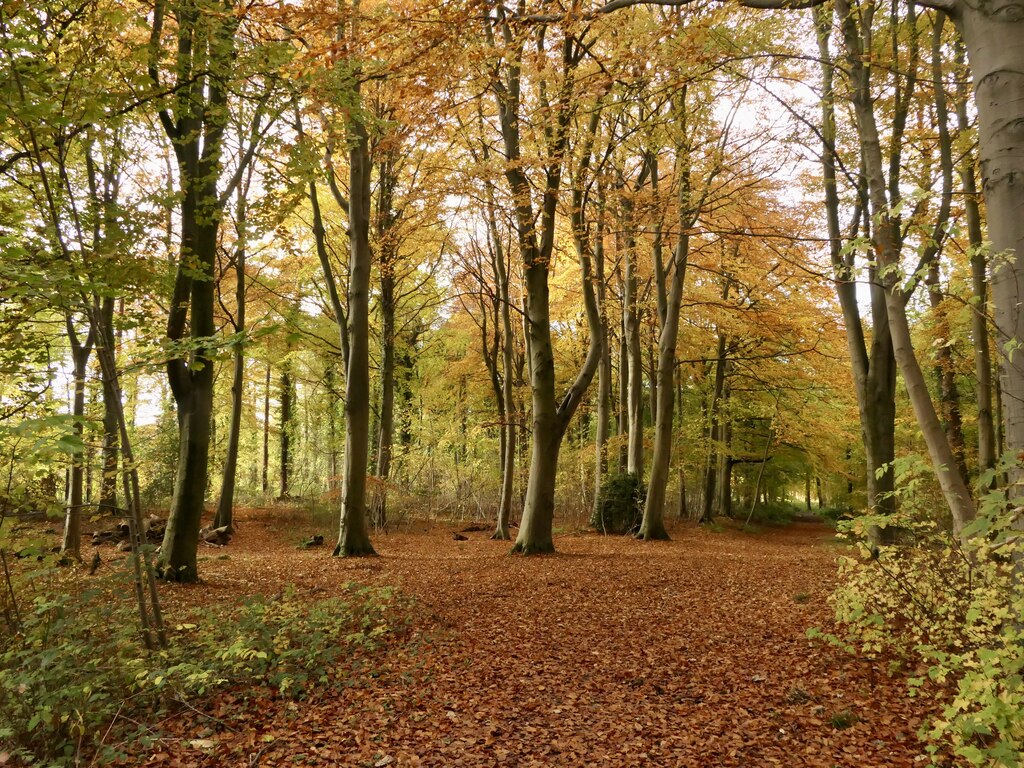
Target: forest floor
612 652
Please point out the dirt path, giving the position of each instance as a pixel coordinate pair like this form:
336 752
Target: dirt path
690 653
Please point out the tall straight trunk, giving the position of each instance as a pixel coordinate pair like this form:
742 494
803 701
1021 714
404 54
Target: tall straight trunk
821 498
286 431
265 475
604 368
332 431
874 367
353 534
715 434
108 480
994 38
979 286
386 428
723 488
635 402
886 241
807 491
979 321
71 544
622 412
653 525
508 468
385 221
682 512
945 375
224 516
192 387
669 307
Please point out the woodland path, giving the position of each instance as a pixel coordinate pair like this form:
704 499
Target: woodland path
684 653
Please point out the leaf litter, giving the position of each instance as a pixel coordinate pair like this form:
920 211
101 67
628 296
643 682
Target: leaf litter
611 652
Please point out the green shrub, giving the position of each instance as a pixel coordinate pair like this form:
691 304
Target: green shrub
957 605
620 507
74 678
775 513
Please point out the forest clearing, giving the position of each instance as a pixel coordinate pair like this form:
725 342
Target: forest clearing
290 290
691 654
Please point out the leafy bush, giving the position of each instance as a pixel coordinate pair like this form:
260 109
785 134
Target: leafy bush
775 513
75 675
620 507
957 605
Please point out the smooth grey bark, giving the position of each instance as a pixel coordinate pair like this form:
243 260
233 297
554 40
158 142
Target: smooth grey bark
508 469
886 243
536 238
874 367
622 411
979 286
669 306
993 34
635 388
715 434
653 523
949 395
353 534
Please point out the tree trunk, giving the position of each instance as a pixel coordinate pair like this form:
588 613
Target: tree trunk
723 500
386 434
635 402
108 480
192 387
508 469
205 59
886 247
71 544
979 285
945 374
353 535
653 524
995 48
265 477
224 517
287 428
604 369
874 369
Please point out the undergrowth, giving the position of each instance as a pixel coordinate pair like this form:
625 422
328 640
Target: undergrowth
620 507
75 681
950 611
